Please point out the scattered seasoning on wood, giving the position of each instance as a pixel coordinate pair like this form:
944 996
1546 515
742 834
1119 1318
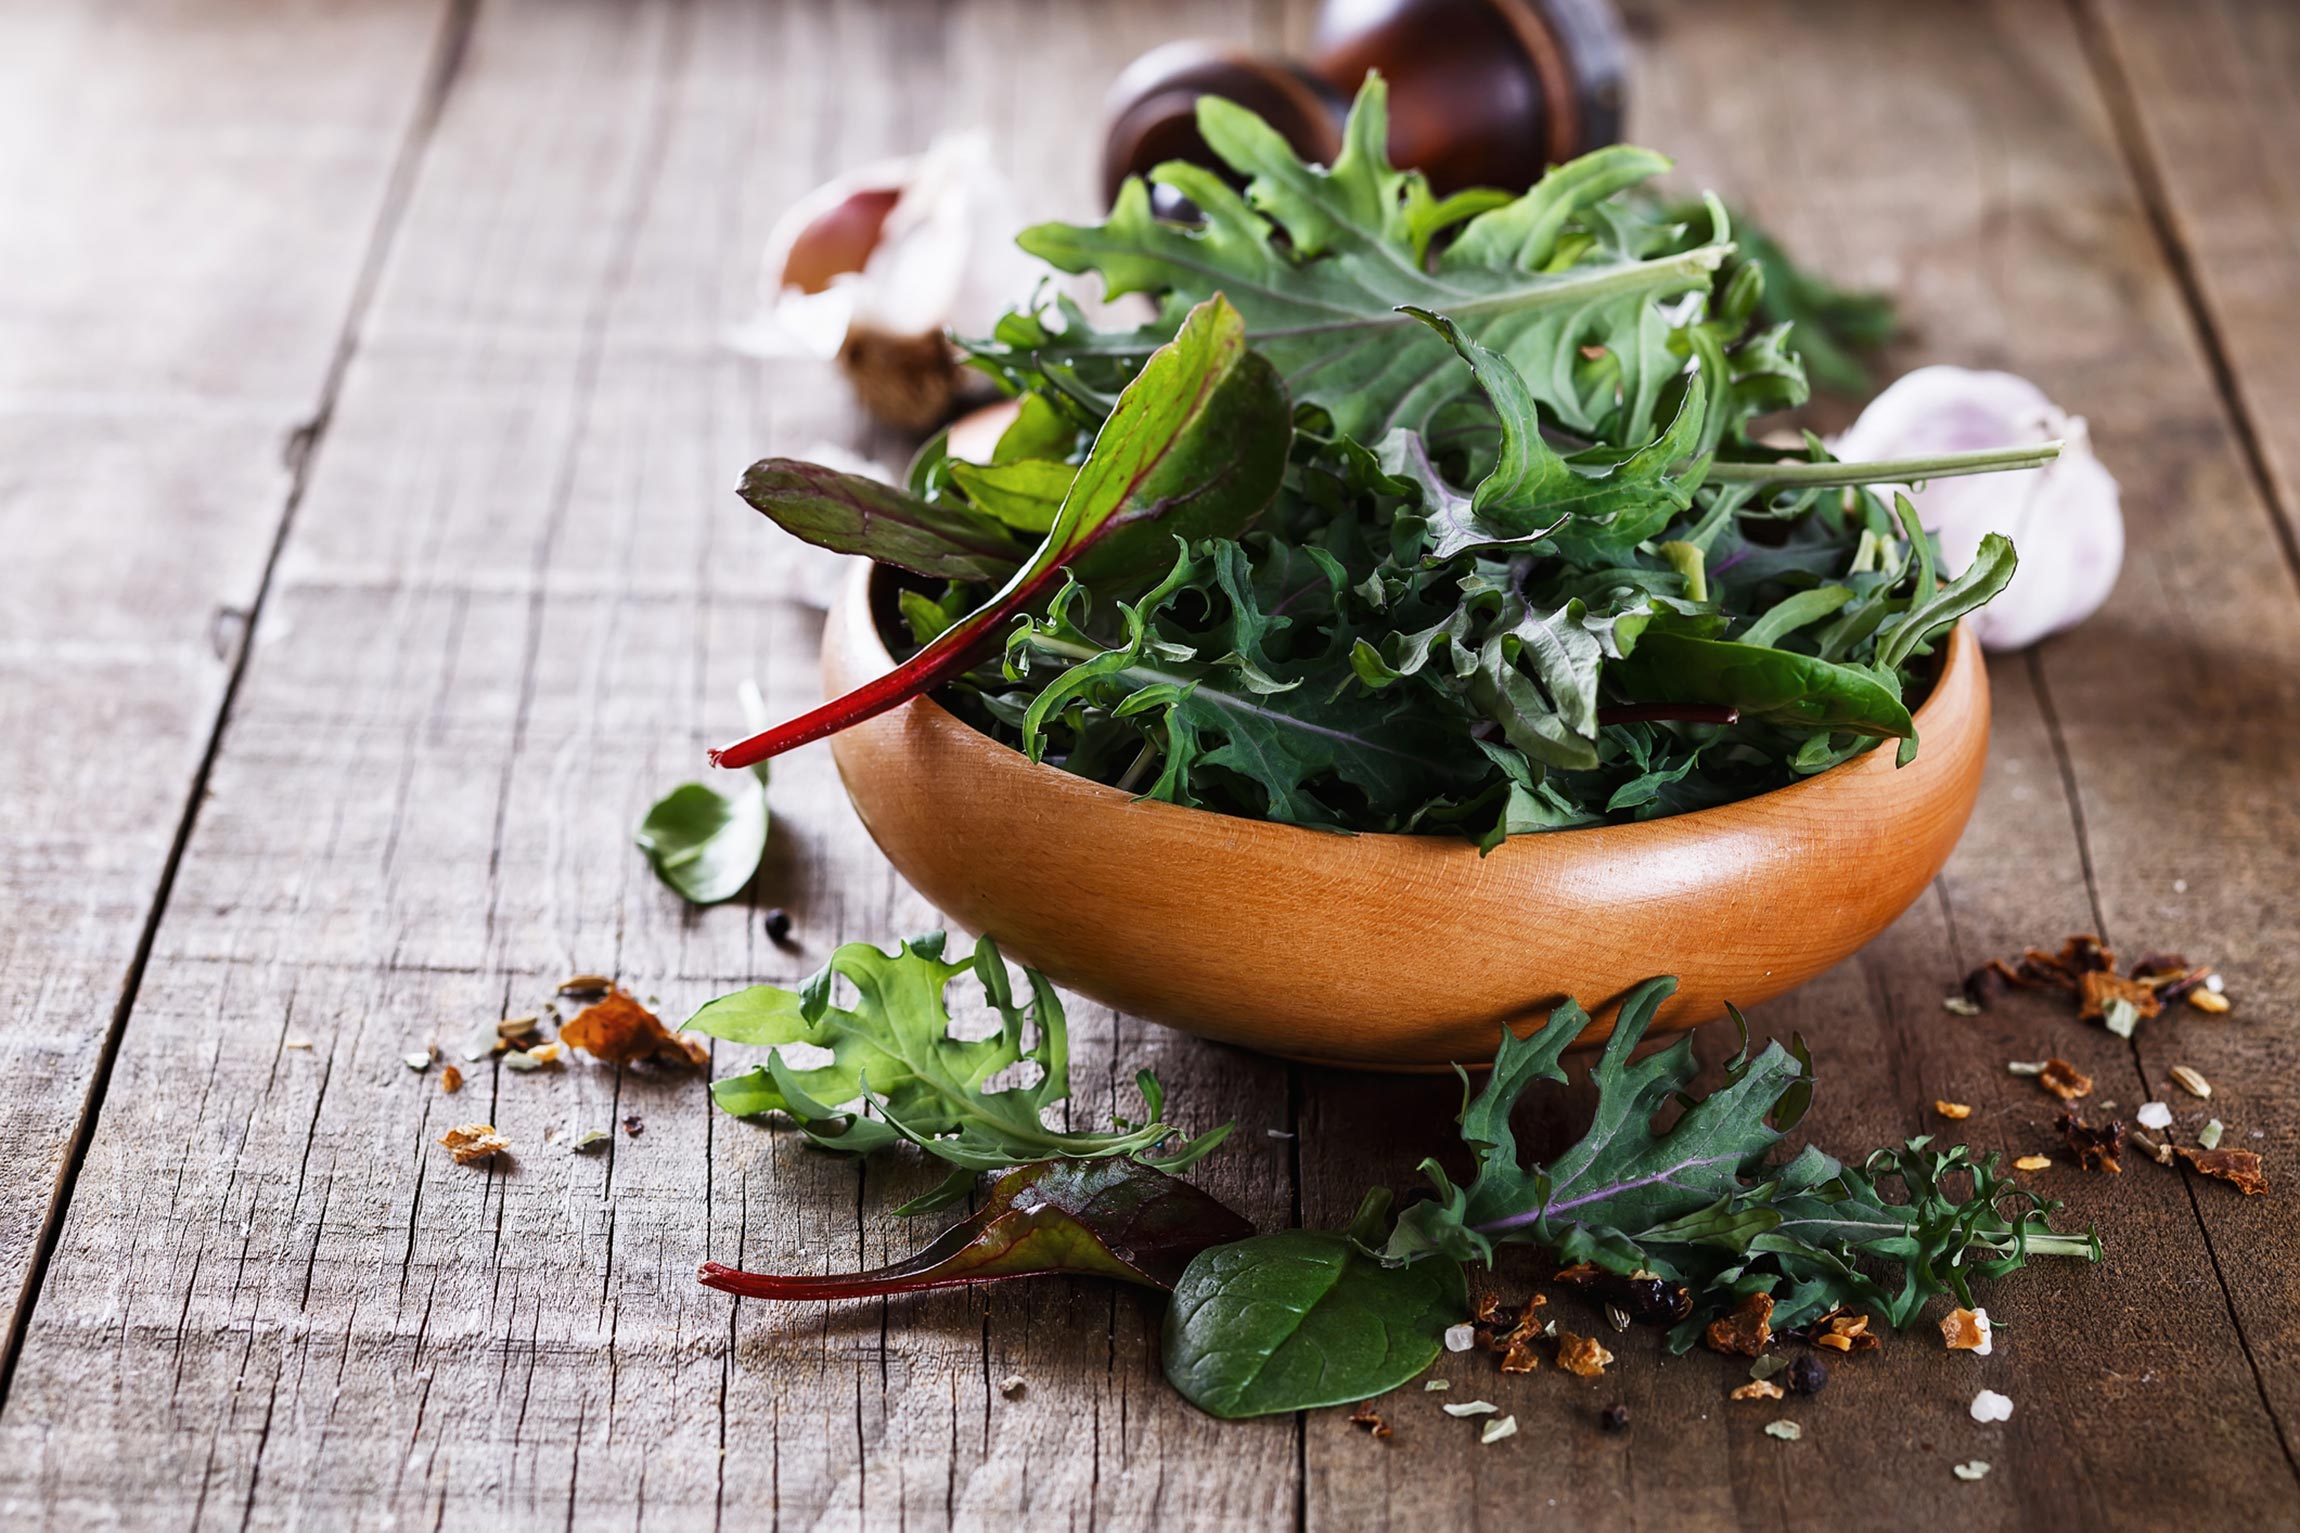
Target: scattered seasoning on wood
1495 1431
1653 1300
2086 970
1433 1385
472 1143
2064 1080
1744 1332
778 925
417 1062
634 1125
1968 1330
1844 1331
2033 1163
1785 1429
2208 1137
1364 1416
1460 1338
1977 1469
2239 1168
620 1031
1961 1005
1759 1389
1615 1418
591 1139
1955 1112
512 1029
450 1080
2154 1115
1012 1385
1520 1358
296 1043
2095 1149
2027 1066
2209 1000
1808 1375
1471 1408
2160 1153
1989 1406
2191 1082
586 984
1582 1356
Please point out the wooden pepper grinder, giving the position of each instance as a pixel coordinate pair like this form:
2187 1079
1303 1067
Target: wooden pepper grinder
1482 92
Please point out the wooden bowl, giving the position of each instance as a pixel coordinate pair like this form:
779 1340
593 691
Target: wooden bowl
1397 952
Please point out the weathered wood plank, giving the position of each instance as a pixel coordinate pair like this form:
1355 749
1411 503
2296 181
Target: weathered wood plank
192 194
2208 100
514 607
1979 175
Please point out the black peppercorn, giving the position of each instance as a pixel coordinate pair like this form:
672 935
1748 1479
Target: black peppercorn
1807 1375
778 925
1616 1418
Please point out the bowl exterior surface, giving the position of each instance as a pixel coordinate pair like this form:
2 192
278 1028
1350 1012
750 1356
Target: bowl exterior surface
1397 952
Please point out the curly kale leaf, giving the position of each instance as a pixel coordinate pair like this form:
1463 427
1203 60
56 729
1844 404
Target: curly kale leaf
892 1049
1695 1202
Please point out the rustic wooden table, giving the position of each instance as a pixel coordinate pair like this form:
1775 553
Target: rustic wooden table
368 434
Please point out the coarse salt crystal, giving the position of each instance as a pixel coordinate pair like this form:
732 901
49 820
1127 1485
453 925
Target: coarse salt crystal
2151 1115
1988 1405
1460 1338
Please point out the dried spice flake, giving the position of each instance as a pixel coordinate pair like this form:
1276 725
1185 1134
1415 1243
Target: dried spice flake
591 1139
1012 1385
2100 988
621 1031
2033 1163
451 1080
1582 1356
1495 1431
1433 1385
2239 1168
1968 1330
1520 1358
2191 1082
1471 1408
2208 1137
2095 1149
1961 1005
1744 1332
1955 1112
1976 1469
1785 1429
1759 1389
2064 1080
2207 999
2028 1066
1364 1416
586 984
1844 1332
472 1143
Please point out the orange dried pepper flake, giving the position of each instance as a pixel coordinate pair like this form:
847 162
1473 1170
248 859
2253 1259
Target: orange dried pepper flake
1967 1330
2064 1080
471 1143
2101 986
1955 1112
1746 1331
2240 1168
1759 1389
621 1031
1582 1356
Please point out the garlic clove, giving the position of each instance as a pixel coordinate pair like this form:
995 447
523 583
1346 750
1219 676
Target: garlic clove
973 437
2064 519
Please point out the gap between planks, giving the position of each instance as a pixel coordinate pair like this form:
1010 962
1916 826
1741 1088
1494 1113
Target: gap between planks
302 448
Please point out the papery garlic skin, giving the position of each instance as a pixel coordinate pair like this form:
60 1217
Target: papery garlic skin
945 257
2065 519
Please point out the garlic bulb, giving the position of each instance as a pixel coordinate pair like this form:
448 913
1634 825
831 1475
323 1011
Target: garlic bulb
874 267
2064 519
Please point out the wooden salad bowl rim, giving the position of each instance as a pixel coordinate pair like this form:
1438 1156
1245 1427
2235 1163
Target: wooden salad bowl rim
1397 951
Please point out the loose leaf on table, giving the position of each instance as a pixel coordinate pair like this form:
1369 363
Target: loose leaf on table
1304 1318
1196 447
1695 1203
1100 1218
1324 300
852 514
893 1049
1775 684
705 842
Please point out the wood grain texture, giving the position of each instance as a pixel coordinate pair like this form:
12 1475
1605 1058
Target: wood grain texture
515 605
1394 951
190 198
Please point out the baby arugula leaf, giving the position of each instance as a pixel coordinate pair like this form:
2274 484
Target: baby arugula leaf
1578 318
1098 1218
1195 448
1694 1202
893 1050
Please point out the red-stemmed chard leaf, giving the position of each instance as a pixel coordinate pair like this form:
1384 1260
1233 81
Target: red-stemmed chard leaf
850 514
1195 448
1096 1218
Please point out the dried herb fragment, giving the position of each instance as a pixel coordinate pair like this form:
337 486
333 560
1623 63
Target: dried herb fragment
1788 1431
450 1080
591 1139
1968 1330
2064 1080
1841 1331
1369 1418
1975 1469
1582 1356
1746 1331
2208 1000
2033 1163
2239 1168
471 1143
1759 1389
2095 1149
580 985
1955 1112
1101 1218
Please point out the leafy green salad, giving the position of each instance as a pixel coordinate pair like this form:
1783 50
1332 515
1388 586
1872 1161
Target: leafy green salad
1403 513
